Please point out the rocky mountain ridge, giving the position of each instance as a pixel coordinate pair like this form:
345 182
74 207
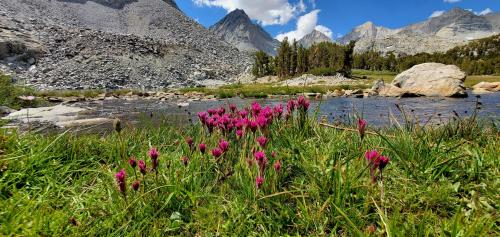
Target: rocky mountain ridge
438 34
313 38
80 44
237 29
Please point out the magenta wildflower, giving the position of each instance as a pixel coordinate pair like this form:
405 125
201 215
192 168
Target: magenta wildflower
376 161
221 111
203 116
256 108
244 113
273 154
142 167
262 141
261 159
216 152
190 142
259 156
135 185
239 133
253 125
371 155
277 166
202 148
362 127
153 153
382 162
290 106
132 162
278 110
303 103
259 181
232 107
224 145
120 180
262 121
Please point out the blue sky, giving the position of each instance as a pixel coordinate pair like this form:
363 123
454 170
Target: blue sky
294 18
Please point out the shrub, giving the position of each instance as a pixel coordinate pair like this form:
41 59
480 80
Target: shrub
9 92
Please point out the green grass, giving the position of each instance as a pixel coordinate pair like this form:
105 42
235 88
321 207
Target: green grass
473 80
10 93
264 90
388 77
440 181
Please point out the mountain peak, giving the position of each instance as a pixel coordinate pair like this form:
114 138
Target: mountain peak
457 12
238 14
314 37
238 29
367 24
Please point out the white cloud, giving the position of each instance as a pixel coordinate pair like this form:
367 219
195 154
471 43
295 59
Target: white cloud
266 12
325 30
436 14
452 1
484 12
305 25
481 13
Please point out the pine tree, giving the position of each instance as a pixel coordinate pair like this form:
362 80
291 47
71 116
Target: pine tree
293 58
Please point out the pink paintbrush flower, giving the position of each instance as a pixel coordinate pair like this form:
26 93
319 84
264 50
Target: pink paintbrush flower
120 180
216 152
202 148
259 181
362 127
224 145
132 162
256 108
190 142
142 167
153 153
262 141
371 156
232 107
135 185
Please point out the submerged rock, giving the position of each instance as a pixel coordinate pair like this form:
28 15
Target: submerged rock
54 114
427 79
6 110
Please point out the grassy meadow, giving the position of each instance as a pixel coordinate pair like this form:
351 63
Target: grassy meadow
263 172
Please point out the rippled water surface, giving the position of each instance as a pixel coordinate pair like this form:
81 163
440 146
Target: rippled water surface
380 111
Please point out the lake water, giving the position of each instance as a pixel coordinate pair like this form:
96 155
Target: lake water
379 111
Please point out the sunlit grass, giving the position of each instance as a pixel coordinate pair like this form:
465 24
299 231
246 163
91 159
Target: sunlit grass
440 181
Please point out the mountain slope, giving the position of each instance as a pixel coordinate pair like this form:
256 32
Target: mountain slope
454 28
313 38
494 20
237 29
119 43
367 30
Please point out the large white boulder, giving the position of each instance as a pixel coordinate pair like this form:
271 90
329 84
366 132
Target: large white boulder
427 79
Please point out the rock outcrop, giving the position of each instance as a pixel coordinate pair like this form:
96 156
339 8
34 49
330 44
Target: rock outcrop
368 30
237 29
313 38
144 44
438 34
428 79
486 87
